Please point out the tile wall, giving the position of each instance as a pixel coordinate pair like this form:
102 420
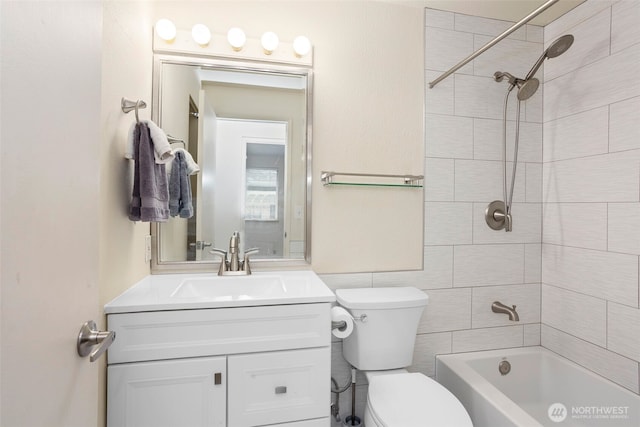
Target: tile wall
467 266
591 191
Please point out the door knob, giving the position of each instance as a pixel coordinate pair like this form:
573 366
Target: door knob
89 337
200 245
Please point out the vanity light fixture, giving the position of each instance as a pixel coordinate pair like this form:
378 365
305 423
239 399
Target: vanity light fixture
234 44
301 46
236 38
165 29
201 34
270 42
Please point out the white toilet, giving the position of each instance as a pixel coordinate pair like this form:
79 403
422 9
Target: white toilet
381 345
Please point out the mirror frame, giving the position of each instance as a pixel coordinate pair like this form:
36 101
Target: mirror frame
160 267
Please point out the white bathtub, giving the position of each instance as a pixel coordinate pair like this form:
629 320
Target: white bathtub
542 389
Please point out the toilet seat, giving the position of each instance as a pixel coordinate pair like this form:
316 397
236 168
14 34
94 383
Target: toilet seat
413 400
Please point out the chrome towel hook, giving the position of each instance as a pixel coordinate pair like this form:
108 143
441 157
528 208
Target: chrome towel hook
127 106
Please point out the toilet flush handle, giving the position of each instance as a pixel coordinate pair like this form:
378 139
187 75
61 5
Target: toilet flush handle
362 318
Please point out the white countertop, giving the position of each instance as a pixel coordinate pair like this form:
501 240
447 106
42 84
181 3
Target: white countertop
208 290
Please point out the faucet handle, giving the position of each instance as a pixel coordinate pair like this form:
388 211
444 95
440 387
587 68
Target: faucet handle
223 262
246 266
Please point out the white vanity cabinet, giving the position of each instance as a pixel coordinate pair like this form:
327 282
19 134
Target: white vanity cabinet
235 367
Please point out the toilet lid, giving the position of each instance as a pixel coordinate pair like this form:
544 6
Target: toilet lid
414 400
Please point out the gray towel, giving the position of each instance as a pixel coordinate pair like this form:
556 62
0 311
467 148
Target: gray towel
180 188
150 197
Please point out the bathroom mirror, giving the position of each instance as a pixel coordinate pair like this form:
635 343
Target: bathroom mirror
247 127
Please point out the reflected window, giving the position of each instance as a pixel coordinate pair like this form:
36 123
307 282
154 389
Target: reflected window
261 195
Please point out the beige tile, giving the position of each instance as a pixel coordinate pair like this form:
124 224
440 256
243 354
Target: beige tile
487 339
438 18
624 126
447 310
445 48
532 334
582 225
624 228
603 90
625 30
610 365
607 275
611 177
578 135
579 315
425 351
438 266
591 42
439 180
532 263
486 265
448 223
448 136
623 330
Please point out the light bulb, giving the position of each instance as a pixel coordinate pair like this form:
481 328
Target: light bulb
301 46
201 34
270 42
236 38
165 29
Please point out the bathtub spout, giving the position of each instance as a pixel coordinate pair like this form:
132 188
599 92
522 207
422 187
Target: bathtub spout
498 307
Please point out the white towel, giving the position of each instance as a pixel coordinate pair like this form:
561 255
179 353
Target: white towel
161 149
192 166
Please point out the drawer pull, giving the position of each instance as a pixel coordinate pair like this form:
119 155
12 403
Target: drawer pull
281 389
217 378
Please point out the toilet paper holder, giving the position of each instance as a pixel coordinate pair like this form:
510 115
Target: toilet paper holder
342 325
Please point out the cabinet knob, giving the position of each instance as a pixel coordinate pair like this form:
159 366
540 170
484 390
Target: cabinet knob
281 389
217 378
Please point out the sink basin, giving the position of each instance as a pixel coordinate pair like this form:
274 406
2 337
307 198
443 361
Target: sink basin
202 291
229 288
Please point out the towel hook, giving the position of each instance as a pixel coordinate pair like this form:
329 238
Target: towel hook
137 107
128 106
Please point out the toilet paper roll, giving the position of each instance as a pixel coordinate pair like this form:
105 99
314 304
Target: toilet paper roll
339 314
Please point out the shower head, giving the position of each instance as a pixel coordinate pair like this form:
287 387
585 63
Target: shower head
527 88
556 48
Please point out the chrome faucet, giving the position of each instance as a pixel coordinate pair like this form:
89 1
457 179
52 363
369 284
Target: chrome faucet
233 266
498 307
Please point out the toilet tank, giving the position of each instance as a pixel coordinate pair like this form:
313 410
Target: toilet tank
385 339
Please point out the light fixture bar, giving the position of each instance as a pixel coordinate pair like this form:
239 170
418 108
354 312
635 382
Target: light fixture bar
219 47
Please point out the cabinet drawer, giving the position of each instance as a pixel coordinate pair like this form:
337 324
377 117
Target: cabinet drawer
193 333
278 387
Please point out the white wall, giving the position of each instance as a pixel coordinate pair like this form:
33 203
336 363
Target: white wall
591 191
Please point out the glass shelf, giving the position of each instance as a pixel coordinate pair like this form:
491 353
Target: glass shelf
372 180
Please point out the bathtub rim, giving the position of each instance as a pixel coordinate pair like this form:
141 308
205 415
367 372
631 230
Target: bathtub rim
458 364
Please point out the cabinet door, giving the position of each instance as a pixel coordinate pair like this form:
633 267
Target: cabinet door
278 387
189 392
